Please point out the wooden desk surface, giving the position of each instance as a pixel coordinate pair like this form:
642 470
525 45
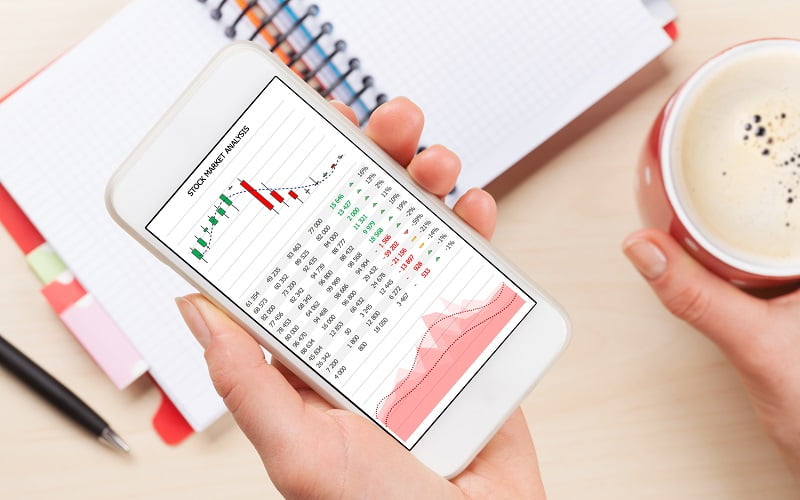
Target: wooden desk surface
641 406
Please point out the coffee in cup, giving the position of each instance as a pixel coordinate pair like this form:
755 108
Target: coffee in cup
725 154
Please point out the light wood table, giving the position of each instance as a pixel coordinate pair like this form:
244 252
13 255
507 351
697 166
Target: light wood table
641 406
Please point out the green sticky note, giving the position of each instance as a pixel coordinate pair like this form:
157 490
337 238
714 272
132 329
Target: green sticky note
45 263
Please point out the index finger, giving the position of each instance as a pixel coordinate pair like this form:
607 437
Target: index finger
396 127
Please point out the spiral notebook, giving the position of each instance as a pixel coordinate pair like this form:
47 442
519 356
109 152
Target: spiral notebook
495 80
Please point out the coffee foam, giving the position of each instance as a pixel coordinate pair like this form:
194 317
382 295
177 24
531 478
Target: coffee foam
736 156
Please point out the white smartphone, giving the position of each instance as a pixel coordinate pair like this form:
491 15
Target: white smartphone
284 214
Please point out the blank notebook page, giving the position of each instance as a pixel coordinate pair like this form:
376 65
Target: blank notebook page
495 79
65 132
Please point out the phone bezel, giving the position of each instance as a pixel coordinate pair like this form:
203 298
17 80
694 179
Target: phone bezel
180 141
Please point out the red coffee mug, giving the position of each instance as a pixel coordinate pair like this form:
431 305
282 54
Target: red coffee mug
659 202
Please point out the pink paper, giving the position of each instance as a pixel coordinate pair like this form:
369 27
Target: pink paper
104 341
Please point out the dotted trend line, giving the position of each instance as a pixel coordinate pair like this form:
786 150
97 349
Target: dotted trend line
208 243
419 348
317 183
386 420
416 357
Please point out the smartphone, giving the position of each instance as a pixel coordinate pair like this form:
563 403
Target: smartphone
285 215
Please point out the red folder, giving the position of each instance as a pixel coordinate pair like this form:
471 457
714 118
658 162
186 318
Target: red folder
167 421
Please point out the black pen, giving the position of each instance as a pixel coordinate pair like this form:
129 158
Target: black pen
59 396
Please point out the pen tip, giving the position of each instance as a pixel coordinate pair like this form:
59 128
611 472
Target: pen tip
113 440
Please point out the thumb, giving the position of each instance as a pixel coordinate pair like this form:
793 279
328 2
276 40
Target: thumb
728 316
262 402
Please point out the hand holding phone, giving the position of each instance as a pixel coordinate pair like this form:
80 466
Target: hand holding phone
286 433
321 247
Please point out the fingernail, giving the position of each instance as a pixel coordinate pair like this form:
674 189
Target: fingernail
193 318
647 258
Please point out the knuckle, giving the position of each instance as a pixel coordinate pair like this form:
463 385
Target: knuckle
691 303
290 477
292 488
762 359
229 391
224 379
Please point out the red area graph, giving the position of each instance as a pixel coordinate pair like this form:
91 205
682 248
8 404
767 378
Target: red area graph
451 344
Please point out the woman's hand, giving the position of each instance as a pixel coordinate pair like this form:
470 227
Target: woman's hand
312 450
760 337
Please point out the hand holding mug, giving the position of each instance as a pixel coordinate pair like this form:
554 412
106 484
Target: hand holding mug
718 182
760 337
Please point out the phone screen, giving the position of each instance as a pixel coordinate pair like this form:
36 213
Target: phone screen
340 263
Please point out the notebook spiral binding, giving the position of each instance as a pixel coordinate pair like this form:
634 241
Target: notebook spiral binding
291 30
